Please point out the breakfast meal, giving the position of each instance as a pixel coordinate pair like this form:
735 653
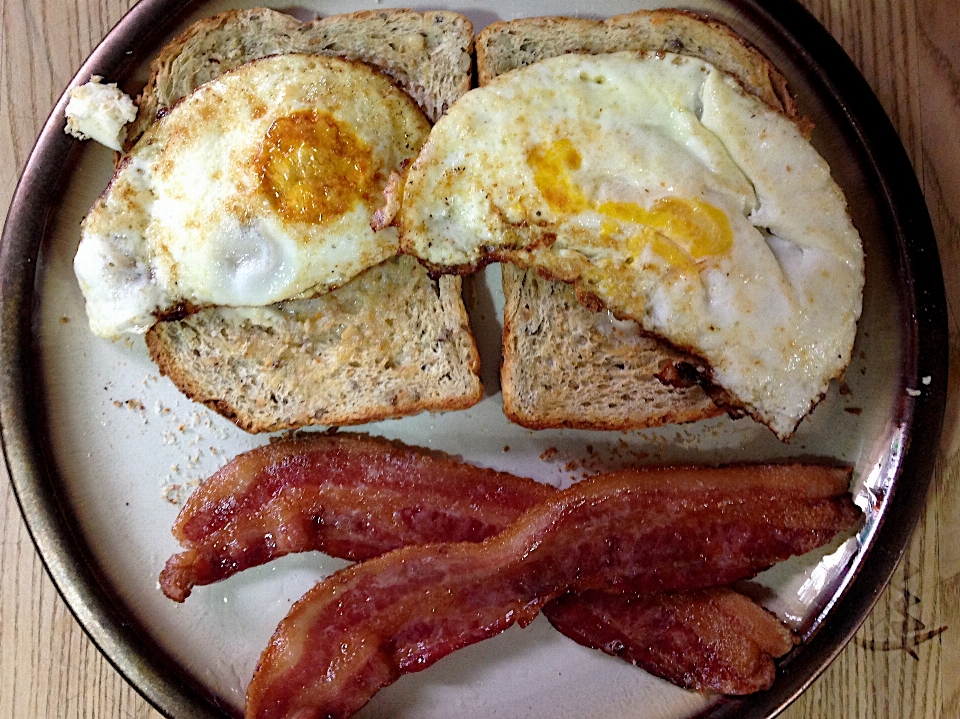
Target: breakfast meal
288 220
357 497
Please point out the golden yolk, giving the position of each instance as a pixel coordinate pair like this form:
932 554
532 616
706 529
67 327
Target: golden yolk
314 168
699 228
609 228
678 229
551 166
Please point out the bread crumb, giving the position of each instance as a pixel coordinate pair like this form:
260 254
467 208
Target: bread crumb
99 112
927 380
913 392
176 493
548 453
171 493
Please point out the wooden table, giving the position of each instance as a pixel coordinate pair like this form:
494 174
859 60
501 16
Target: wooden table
905 660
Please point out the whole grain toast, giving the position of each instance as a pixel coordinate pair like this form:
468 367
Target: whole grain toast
505 46
391 342
566 365
428 54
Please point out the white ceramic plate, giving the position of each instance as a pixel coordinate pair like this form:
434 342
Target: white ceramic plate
99 469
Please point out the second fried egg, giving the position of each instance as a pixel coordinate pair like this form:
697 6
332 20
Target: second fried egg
657 184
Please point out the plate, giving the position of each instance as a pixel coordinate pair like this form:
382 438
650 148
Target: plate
100 448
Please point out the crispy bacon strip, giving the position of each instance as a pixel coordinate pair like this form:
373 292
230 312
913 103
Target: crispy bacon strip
631 531
357 496
350 496
712 638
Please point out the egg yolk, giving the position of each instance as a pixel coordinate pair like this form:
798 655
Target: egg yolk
551 172
314 168
678 229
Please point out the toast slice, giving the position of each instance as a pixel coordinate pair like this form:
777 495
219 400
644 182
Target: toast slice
428 54
505 46
391 342
565 365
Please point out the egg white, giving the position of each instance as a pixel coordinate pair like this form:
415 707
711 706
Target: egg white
188 219
773 312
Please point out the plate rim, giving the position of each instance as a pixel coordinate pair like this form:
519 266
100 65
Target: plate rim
926 334
112 628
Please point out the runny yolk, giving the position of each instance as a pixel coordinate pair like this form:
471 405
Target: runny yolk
313 168
678 229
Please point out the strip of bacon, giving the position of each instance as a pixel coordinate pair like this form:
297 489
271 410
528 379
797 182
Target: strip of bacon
631 531
357 497
347 495
712 638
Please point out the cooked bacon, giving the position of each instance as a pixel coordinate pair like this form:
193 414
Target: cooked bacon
708 639
633 531
249 513
350 496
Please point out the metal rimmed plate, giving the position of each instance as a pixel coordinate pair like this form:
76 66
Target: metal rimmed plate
91 437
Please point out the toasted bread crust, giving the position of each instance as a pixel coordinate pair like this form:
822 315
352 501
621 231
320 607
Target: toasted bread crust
505 46
427 54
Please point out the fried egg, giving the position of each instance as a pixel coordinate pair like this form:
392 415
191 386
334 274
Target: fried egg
657 184
258 187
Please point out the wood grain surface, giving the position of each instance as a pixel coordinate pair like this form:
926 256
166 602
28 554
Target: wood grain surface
904 662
